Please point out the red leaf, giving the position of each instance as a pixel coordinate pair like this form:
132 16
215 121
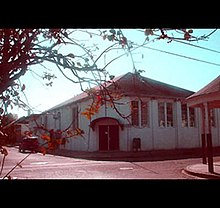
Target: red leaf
45 137
187 36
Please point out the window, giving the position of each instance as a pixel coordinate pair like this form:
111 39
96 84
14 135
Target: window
144 114
169 108
191 117
139 113
212 117
75 117
161 114
134 113
57 120
165 114
188 116
184 115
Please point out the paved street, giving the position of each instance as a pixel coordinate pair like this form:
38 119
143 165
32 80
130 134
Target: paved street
38 166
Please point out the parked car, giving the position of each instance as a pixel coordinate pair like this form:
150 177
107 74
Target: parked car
29 143
3 139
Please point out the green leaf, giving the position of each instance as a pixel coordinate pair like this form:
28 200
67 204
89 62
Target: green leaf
112 31
71 55
65 62
110 37
59 56
119 32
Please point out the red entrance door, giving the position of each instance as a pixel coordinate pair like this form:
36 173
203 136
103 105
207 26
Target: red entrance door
108 137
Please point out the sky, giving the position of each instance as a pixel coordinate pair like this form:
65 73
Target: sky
174 63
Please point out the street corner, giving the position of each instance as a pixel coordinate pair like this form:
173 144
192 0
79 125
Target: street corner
201 170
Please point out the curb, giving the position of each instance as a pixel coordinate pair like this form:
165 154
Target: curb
190 170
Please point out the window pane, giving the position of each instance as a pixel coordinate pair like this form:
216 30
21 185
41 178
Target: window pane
161 114
134 113
191 117
169 114
184 115
144 113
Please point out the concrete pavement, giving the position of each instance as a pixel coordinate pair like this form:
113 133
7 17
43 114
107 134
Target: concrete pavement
202 171
199 170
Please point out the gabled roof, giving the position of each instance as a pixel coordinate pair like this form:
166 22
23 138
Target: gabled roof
133 84
81 96
210 93
212 87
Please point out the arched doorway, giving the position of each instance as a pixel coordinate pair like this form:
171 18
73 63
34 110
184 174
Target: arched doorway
107 133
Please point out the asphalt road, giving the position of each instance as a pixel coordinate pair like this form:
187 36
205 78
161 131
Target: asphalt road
38 166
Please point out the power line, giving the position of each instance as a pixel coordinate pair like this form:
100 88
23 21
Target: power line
208 49
195 59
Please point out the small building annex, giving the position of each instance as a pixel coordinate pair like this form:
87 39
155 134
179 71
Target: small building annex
148 111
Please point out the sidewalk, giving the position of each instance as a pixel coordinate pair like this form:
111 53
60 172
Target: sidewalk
201 170
130 155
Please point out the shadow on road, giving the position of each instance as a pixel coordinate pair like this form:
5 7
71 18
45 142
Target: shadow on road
140 156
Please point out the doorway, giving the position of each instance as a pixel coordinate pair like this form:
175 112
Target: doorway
108 137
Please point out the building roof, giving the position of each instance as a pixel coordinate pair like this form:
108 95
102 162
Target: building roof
212 87
21 120
209 93
80 96
133 84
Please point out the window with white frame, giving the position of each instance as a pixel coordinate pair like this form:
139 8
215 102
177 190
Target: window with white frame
184 116
169 108
139 113
144 114
161 114
165 114
188 116
75 117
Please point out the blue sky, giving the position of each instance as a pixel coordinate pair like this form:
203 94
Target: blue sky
158 65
